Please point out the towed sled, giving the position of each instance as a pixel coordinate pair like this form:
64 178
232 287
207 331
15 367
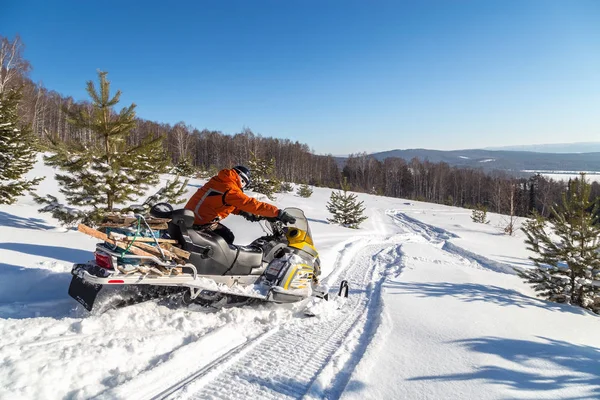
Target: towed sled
175 260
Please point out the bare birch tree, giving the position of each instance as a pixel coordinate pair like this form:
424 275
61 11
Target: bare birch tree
12 62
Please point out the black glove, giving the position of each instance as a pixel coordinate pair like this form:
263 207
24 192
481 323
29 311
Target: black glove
250 217
285 217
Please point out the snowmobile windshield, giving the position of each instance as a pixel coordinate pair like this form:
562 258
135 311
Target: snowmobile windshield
301 224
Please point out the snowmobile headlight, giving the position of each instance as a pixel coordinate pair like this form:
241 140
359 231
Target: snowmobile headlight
293 233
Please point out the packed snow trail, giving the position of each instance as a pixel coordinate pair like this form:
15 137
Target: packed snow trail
310 356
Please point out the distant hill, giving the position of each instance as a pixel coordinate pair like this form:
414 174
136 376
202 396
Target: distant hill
583 147
512 161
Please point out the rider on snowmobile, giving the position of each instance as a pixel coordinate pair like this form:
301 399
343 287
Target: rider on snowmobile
224 194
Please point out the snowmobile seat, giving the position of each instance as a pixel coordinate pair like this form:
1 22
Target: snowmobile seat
225 259
183 218
210 253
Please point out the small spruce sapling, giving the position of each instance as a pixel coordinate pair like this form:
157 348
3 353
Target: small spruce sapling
286 187
479 215
567 250
345 207
536 222
184 167
263 176
304 191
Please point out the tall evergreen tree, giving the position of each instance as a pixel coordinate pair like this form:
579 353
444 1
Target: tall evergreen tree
17 150
263 176
109 171
567 257
345 207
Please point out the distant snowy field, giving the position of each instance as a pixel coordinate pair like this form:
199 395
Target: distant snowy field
592 176
435 312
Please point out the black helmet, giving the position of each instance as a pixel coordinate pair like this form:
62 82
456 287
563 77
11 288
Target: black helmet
243 172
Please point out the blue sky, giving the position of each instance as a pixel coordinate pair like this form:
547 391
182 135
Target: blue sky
341 76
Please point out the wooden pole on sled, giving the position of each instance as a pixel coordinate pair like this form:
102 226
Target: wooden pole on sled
140 248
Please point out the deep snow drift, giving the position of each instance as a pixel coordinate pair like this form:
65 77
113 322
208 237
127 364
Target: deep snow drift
435 311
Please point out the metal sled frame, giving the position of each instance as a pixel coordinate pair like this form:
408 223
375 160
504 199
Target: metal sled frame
184 279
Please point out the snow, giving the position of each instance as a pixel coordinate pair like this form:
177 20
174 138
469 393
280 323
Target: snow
435 311
591 176
534 171
487 160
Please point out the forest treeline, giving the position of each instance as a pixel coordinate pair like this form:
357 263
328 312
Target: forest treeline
46 112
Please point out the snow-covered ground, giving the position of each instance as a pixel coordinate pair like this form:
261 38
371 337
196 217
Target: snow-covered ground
435 311
592 176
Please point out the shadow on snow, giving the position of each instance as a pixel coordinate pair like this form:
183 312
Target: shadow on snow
472 292
34 292
55 252
13 221
575 365
321 221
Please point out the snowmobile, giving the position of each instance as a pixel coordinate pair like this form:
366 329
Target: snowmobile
282 266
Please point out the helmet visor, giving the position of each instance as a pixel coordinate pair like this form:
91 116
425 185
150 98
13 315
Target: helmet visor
244 176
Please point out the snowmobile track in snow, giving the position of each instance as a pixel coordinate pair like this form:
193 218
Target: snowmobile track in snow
440 236
311 357
213 367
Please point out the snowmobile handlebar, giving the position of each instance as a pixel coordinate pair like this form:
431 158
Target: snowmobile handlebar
256 218
277 226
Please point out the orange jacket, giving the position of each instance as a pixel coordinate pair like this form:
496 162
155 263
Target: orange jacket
223 195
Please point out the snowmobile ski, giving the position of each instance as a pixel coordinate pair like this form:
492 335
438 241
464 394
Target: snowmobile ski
316 305
343 291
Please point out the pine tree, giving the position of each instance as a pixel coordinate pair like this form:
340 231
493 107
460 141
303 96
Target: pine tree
17 150
479 214
536 221
107 172
567 258
346 209
184 167
263 176
286 187
170 193
304 191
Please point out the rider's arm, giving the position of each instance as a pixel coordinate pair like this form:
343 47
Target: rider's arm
242 202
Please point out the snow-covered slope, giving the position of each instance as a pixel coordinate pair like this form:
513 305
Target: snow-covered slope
434 311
